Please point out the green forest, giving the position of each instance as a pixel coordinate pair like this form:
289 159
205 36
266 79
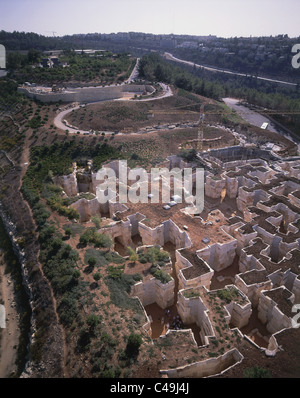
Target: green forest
274 97
103 68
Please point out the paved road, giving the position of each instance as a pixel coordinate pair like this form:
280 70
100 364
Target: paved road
256 118
134 73
172 58
58 120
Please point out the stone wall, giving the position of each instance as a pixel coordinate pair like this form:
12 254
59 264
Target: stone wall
296 289
153 291
84 94
252 290
86 208
219 255
193 310
68 183
202 280
163 233
120 230
270 315
208 367
214 186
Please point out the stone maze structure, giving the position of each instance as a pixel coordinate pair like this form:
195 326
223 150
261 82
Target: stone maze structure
226 270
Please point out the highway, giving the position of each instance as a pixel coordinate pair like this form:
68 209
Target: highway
171 57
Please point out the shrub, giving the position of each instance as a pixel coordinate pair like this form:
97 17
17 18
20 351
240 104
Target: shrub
97 221
191 294
84 340
97 276
119 289
227 294
162 276
68 309
133 345
257 372
93 237
98 255
68 232
92 261
133 256
92 321
115 272
153 255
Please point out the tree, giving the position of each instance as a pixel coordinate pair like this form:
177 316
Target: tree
76 274
133 256
92 321
92 261
133 345
97 276
33 56
68 232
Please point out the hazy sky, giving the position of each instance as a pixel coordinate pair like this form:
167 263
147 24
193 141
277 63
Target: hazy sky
224 18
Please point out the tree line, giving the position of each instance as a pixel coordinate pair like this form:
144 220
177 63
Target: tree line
272 96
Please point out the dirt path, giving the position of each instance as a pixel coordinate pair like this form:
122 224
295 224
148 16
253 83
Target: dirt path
10 335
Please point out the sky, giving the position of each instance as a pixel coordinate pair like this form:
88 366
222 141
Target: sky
223 18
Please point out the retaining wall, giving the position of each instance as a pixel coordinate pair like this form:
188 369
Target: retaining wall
153 291
84 94
193 310
270 315
209 367
219 255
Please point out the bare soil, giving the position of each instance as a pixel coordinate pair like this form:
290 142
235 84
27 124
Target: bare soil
9 337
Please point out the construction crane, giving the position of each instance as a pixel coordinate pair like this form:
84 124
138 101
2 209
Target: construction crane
200 129
52 31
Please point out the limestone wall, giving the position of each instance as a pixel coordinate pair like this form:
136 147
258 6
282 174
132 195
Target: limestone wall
214 186
242 237
245 199
152 236
231 185
295 201
175 161
193 310
163 233
296 289
172 233
83 94
219 255
263 174
240 314
134 221
68 183
120 230
271 315
252 290
86 208
115 207
201 280
208 367
153 291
